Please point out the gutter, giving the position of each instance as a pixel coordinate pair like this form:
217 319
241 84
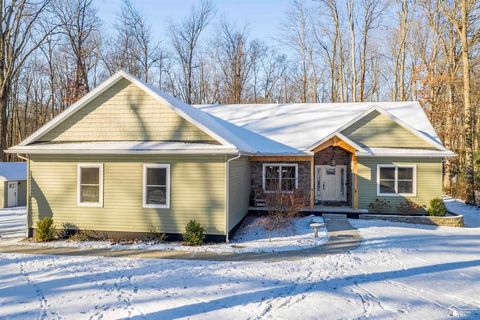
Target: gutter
29 193
227 194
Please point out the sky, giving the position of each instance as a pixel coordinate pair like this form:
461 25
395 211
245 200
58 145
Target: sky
262 17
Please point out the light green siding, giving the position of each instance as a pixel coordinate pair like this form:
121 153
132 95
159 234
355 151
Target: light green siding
429 180
125 112
377 130
239 190
197 192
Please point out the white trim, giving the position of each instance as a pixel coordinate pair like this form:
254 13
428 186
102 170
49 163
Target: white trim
33 150
341 137
144 185
280 174
100 186
426 154
396 194
391 117
106 85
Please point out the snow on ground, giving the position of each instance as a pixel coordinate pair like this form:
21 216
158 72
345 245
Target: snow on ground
251 237
401 271
471 214
13 223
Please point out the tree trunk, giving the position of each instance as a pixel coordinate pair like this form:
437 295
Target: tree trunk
3 123
468 111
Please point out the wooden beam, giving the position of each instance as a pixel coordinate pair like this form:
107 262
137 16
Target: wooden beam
312 181
355 181
280 158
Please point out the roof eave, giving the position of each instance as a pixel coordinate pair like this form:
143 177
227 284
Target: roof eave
120 151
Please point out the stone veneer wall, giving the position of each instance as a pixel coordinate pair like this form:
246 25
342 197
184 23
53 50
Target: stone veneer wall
450 221
256 171
341 156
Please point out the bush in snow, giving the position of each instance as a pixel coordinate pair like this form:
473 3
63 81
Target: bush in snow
88 235
45 230
271 222
194 234
437 208
153 235
379 205
409 207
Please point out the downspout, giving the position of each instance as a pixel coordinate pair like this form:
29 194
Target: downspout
227 194
29 183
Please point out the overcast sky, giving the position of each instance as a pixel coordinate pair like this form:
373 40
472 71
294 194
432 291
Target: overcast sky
263 17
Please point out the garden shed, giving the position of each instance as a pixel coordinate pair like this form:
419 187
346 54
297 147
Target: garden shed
13 184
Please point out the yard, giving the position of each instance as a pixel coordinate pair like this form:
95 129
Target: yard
400 271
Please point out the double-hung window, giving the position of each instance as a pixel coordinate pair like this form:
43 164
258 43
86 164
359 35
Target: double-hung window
280 177
90 184
156 186
393 180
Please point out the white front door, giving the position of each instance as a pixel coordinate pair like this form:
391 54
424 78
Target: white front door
330 183
12 193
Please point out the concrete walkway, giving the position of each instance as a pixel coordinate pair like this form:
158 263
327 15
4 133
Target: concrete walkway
342 238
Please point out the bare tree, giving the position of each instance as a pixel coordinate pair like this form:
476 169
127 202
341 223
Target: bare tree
235 60
372 12
459 14
21 34
80 25
185 37
134 48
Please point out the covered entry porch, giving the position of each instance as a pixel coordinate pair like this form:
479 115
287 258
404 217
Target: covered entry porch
334 175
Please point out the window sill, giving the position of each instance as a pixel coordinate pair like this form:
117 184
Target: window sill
396 194
156 206
90 204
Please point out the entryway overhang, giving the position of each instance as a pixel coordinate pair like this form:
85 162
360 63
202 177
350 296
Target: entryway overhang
337 139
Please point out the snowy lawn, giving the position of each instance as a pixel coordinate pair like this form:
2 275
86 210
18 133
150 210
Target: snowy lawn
251 237
401 271
13 223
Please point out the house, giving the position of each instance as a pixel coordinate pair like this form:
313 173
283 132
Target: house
13 184
127 158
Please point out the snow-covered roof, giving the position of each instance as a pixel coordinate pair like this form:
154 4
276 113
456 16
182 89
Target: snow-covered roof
124 147
302 125
265 129
11 171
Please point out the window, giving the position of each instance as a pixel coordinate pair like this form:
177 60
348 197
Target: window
156 186
90 184
395 180
280 177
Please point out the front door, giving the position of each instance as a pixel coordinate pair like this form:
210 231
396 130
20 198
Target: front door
330 183
12 193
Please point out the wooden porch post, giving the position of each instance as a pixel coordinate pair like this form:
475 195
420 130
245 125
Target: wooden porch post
355 181
312 182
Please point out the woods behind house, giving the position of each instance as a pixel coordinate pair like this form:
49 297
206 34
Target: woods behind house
55 51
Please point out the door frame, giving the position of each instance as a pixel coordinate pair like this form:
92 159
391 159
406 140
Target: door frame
8 193
318 169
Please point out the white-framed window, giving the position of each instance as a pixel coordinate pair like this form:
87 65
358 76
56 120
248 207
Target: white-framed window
280 177
156 186
90 184
396 180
